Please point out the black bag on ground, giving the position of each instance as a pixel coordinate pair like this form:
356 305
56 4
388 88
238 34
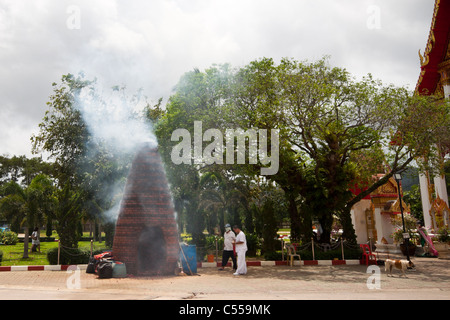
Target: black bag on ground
91 266
105 270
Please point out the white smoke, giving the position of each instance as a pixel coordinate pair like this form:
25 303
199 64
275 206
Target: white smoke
114 118
117 125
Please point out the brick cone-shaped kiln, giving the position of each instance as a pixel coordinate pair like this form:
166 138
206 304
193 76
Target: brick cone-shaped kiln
146 237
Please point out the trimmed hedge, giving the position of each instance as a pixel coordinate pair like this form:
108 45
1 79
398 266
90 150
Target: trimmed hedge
52 239
71 256
89 239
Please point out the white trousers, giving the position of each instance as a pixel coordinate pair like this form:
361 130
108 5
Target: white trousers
241 263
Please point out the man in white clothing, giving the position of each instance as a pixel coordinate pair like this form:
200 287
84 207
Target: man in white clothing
228 247
241 249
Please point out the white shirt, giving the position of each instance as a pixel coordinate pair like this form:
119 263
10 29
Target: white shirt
34 235
229 237
241 238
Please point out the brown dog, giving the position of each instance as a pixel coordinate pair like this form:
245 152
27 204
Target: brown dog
398 264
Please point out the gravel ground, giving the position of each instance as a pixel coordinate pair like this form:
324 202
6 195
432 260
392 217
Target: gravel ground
430 280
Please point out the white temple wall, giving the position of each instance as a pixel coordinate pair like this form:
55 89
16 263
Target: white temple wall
358 213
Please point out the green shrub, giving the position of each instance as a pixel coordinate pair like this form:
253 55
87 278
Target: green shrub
86 239
211 243
8 238
71 256
273 256
443 235
1 257
253 244
68 256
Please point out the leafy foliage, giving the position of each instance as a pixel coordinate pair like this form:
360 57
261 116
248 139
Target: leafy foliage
335 132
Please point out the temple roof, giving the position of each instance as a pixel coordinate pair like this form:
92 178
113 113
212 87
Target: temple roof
437 49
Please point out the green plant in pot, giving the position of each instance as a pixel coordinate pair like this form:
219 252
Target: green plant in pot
397 236
411 230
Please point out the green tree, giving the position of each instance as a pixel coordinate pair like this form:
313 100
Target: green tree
420 124
270 227
93 168
67 214
198 96
12 204
22 170
330 124
40 201
63 133
27 207
414 200
335 132
214 200
223 197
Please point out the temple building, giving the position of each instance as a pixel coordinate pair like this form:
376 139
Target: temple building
434 79
372 216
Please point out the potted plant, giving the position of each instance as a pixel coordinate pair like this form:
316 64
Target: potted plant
411 248
442 246
410 227
397 236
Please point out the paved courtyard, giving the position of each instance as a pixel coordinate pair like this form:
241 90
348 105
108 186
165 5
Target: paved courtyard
430 280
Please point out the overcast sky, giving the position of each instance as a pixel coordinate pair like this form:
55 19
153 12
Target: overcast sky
149 44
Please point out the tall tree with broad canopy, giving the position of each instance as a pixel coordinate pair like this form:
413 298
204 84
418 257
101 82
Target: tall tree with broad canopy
89 171
335 131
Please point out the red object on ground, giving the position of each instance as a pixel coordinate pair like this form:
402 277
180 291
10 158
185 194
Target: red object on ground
103 255
367 255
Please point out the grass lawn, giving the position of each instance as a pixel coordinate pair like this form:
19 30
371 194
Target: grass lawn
13 254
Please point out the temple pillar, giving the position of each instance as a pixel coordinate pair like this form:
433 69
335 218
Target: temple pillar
380 225
444 71
426 199
441 188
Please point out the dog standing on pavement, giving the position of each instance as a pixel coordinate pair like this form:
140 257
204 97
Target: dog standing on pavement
398 264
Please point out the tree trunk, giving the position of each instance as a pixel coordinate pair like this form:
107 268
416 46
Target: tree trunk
295 218
349 233
95 229
221 220
248 220
306 226
25 243
100 230
326 222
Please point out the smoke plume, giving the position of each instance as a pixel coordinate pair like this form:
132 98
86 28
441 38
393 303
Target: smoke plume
117 128
114 118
